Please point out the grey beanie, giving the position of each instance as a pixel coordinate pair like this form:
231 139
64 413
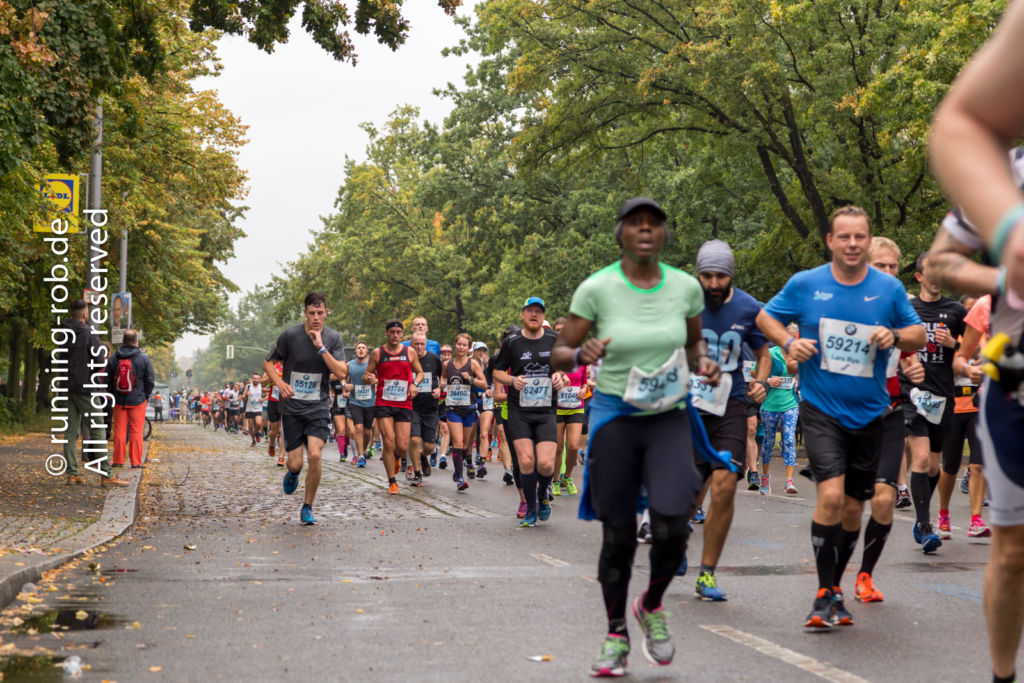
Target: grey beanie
715 256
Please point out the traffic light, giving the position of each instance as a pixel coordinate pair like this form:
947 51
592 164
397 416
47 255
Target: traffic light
231 351
188 373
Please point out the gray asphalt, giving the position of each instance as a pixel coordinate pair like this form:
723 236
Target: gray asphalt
441 586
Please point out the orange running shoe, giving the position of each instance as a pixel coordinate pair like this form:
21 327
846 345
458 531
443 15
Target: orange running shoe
280 460
393 488
865 590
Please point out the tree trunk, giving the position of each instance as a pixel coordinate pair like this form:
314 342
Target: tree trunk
14 368
43 395
31 362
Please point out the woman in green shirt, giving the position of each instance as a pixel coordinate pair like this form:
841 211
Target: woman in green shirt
780 408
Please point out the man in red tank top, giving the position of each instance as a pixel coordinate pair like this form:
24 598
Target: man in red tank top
396 370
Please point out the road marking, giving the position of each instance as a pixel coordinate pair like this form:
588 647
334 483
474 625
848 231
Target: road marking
766 647
547 559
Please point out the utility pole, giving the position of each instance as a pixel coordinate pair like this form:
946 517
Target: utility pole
124 252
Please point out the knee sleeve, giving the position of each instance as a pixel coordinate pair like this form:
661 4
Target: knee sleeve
669 527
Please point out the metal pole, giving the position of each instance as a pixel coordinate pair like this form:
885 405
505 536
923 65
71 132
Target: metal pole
124 252
95 185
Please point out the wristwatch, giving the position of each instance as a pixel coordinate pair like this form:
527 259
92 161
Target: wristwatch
895 337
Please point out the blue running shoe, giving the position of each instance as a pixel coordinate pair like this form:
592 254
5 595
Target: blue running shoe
707 589
930 541
683 566
917 533
444 463
362 461
306 516
965 483
699 516
433 459
291 482
529 519
544 511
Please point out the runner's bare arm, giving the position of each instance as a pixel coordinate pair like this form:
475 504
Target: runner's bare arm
949 265
800 349
417 370
697 352
572 337
370 376
284 389
763 369
479 381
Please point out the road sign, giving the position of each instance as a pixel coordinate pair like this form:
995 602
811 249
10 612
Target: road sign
61 191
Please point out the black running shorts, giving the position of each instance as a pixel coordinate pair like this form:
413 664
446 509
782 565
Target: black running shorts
837 451
297 429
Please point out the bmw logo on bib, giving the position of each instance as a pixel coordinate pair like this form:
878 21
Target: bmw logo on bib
851 329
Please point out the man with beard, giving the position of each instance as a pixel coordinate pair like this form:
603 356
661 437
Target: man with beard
728 321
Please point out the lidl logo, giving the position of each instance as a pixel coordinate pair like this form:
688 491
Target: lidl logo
61 192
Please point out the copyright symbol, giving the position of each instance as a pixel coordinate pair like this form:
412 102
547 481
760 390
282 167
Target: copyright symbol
56 464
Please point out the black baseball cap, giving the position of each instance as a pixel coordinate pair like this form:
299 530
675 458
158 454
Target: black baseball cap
635 203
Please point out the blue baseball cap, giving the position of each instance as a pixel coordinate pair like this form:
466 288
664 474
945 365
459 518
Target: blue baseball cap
535 300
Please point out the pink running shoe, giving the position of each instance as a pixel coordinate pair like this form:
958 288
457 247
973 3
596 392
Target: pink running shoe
943 525
978 529
522 510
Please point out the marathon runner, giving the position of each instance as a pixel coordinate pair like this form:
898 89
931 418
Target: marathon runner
308 352
339 402
569 419
780 409
234 407
423 429
524 365
419 324
508 456
729 320
481 433
645 317
442 411
928 407
396 371
254 409
981 114
274 417
361 401
848 313
459 375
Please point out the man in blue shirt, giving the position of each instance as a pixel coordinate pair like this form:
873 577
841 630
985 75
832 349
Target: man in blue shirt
848 314
419 324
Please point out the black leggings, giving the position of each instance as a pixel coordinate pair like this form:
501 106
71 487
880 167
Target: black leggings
963 427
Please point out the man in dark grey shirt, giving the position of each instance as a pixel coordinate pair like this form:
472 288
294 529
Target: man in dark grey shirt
309 353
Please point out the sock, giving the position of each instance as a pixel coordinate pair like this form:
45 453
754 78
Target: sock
543 482
341 447
943 513
921 493
457 459
391 480
307 505
530 489
976 520
707 569
875 535
847 542
933 482
825 540
1008 679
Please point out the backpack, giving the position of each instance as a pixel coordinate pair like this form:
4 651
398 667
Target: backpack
125 381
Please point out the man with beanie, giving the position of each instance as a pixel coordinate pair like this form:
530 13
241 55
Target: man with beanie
728 321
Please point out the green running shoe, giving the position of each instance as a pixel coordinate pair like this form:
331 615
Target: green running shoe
657 646
570 486
612 662
556 488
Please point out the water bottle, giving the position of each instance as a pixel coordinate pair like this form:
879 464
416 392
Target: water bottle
28 588
72 665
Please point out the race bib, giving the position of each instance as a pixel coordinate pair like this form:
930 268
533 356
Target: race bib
661 388
487 402
275 393
424 386
894 362
458 395
362 392
536 393
711 399
787 383
568 398
845 349
306 386
748 370
340 401
962 381
395 390
929 406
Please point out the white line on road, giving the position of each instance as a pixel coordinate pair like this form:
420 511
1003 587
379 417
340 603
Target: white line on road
547 559
766 647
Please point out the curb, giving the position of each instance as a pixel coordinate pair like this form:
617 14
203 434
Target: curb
120 509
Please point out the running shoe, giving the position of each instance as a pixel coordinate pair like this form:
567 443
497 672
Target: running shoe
490 455
570 486
270 450
378 446
508 478
362 461
943 523
522 510
291 482
417 480
433 459
393 488
683 566
461 485
930 542
470 472
544 511
965 483
556 488
482 472
479 461
865 590
409 474
280 461
978 529
550 495
425 465
699 516
657 645
766 486
306 516
529 519
902 498
822 612
612 661
840 617
707 588
644 534
791 487
753 483
444 463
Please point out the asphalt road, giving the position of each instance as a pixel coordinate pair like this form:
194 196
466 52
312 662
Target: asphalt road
436 585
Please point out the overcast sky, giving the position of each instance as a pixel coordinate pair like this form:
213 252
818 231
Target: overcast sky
303 110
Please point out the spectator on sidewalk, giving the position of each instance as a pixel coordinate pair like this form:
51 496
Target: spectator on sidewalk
84 347
158 407
130 378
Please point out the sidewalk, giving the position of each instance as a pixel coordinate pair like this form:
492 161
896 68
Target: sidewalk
43 521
